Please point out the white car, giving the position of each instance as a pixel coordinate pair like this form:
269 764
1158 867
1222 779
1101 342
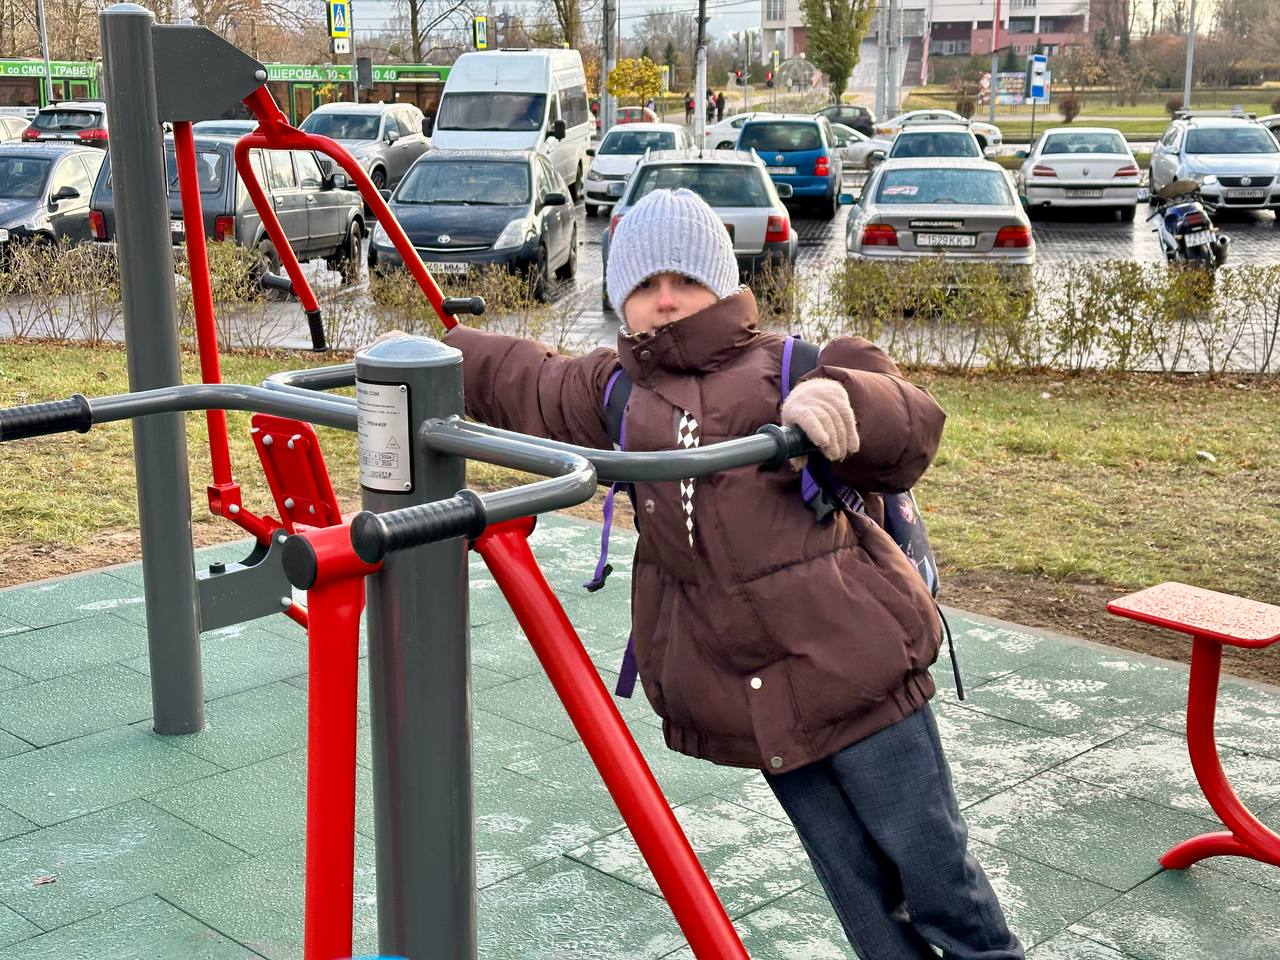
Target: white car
857 149
622 148
988 135
724 135
1080 167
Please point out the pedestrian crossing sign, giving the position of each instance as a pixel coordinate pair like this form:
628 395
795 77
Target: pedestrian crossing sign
339 18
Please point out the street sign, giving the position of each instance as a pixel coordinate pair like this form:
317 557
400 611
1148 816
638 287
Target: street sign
1037 78
480 33
340 19
340 45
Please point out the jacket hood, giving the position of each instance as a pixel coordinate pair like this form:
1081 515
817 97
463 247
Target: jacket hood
701 342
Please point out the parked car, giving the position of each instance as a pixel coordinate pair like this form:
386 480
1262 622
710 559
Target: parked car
1234 158
224 128
1080 167
44 192
724 135
935 140
963 210
988 135
1272 122
799 151
736 186
385 138
853 116
321 215
636 115
78 121
12 127
519 100
859 151
618 155
468 208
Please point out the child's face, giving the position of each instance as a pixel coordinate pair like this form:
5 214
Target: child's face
665 298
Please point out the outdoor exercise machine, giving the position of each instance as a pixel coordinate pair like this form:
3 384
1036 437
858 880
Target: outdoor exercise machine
1212 620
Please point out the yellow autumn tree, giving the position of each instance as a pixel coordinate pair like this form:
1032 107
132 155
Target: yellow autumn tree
638 78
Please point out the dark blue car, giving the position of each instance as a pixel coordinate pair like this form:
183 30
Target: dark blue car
800 152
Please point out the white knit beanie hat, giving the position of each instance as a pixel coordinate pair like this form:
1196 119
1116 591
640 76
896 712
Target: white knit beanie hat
671 231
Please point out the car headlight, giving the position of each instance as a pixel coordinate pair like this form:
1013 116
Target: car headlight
515 234
380 236
1204 179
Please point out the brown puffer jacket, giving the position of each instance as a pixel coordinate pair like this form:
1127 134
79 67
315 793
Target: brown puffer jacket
773 640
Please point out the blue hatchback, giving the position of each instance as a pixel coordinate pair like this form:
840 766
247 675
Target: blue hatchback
798 151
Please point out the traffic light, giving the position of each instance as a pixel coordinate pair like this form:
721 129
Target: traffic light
737 77
768 79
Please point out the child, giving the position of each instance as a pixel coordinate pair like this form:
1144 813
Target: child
764 638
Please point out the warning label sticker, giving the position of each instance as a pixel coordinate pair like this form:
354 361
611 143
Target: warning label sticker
383 432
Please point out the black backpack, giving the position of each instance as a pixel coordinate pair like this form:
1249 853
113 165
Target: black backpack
820 490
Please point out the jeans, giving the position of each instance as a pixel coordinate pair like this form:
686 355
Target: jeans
882 828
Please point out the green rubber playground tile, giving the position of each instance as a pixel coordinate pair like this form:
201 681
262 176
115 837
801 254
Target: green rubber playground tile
8 626
247 727
9 679
502 647
259 902
800 926
483 678
750 859
1070 946
12 825
1262 874
257 808
564 910
1091 832
499 742
987 754
1153 764
102 861
48 602
74 705
681 778
533 702
987 651
11 746
520 823
77 777
148 929
754 794
1189 915
15 928
70 647
241 657
1247 718
362 687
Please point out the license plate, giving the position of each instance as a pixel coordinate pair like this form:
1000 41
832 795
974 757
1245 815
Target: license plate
782 171
177 226
451 267
1250 194
946 240
1197 239
1085 194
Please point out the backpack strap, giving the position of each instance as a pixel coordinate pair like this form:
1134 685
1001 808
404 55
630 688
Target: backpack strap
616 394
798 358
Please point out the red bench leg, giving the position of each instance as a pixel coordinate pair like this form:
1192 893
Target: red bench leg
1248 837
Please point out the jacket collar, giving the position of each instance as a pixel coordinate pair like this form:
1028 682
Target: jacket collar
700 343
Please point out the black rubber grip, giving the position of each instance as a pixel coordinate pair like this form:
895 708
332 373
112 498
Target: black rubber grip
42 419
316 327
374 535
299 561
790 441
456 305
273 281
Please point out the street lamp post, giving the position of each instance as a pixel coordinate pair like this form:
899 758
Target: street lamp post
1191 53
995 63
44 50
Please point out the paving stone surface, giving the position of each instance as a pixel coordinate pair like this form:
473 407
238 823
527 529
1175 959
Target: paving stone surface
1069 760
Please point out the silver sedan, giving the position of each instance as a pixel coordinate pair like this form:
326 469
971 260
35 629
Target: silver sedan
961 210
857 149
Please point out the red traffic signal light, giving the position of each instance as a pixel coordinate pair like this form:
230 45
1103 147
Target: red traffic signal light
769 76
737 74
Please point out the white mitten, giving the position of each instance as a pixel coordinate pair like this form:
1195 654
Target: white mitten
821 408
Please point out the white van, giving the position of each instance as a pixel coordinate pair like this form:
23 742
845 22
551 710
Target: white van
519 100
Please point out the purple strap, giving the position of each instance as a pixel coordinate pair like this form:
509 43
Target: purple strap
627 673
786 366
603 567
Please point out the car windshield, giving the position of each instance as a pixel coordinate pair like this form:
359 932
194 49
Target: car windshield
633 143
467 182
67 120
959 143
848 133
22 178
343 126
210 167
780 137
511 112
1242 139
1063 143
721 185
928 185
216 128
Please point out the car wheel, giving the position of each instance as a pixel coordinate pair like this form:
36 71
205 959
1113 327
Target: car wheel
1127 214
575 188
268 262
592 209
726 145
349 255
570 268
829 207
379 178
539 283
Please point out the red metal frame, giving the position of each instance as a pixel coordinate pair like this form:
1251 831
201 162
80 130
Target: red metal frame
1212 620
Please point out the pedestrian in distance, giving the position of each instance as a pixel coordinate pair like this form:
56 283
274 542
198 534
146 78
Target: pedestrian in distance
719 106
688 108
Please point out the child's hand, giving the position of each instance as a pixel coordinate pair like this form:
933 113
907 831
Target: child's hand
822 410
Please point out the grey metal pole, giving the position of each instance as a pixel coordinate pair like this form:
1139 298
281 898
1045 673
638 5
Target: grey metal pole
419 672
607 112
355 58
995 62
882 64
1191 54
44 51
151 342
895 68
700 80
